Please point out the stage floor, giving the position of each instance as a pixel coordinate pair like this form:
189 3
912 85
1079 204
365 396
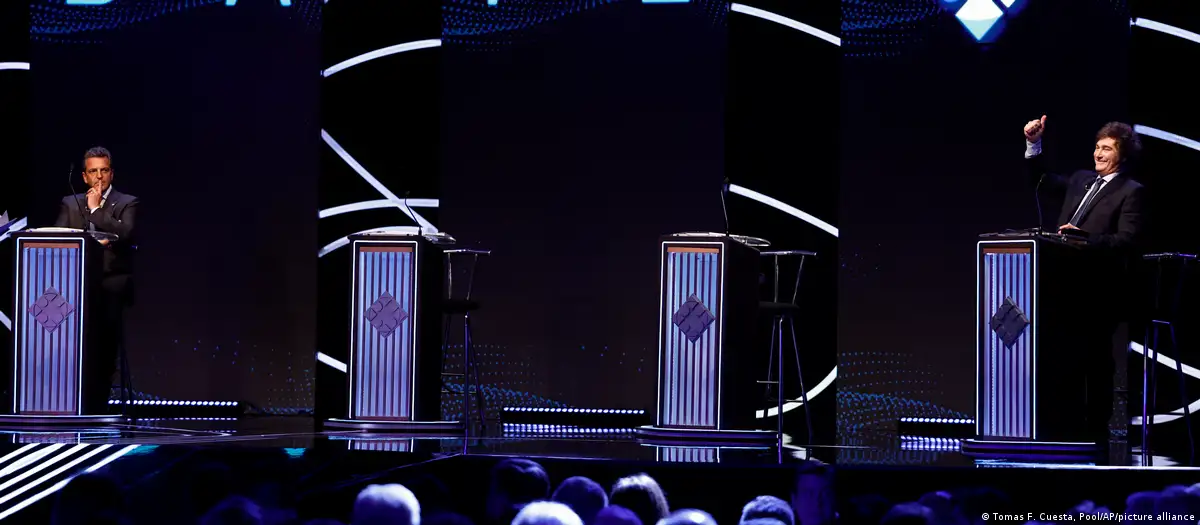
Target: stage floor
330 466
865 449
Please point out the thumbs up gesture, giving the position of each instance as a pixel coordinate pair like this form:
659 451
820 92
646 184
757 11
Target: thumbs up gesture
1034 129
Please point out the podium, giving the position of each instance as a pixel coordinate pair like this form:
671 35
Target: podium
56 288
395 358
708 308
1033 333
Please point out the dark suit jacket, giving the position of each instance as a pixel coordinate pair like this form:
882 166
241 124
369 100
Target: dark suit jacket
116 216
1116 218
1115 222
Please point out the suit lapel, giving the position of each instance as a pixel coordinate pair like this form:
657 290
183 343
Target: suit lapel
1105 191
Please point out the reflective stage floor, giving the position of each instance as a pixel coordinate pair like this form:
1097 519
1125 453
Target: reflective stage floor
35 464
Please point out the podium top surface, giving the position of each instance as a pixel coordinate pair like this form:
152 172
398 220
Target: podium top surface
66 233
1036 234
438 238
754 242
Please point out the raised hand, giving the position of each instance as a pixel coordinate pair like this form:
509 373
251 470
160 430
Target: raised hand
1034 129
93 198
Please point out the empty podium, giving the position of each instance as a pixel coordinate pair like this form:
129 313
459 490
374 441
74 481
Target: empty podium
395 358
1032 337
708 307
57 279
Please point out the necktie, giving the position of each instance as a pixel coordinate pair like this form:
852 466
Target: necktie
1087 200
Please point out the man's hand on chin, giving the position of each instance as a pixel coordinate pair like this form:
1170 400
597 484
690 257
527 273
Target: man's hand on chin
104 242
1067 226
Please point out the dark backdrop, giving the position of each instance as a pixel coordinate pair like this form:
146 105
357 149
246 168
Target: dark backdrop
569 150
211 116
781 133
14 149
383 113
932 155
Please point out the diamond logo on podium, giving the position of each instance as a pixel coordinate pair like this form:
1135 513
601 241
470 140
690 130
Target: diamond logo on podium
693 318
51 309
385 314
1009 322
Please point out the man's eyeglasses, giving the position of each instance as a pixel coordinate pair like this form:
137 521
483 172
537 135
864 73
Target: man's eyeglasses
99 171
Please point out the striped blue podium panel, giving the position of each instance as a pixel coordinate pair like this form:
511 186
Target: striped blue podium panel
707 312
1031 341
54 286
395 342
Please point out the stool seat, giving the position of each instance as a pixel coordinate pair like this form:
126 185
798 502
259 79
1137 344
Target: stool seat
459 306
778 308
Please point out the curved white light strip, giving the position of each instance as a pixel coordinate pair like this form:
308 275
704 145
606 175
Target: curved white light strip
774 411
14 65
346 240
337 365
1167 136
778 19
1193 407
1164 28
390 50
362 172
373 205
779 205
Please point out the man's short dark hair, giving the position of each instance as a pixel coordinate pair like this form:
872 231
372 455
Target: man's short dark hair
522 480
97 153
1129 145
768 508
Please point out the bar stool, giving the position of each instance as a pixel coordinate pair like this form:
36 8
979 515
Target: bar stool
785 312
1150 345
456 307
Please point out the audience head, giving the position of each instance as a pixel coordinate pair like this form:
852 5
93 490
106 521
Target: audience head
812 494
391 504
616 515
514 483
641 494
584 496
688 517
234 510
908 514
86 497
768 507
546 513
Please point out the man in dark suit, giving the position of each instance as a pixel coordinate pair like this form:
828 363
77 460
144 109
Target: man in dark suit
104 209
1107 206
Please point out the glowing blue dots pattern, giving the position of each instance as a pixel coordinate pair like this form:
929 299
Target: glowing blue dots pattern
54 21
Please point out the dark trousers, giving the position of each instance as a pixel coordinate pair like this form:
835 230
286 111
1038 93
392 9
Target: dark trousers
115 298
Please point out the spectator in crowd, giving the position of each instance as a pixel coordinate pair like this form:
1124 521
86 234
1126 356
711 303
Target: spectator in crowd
908 514
641 494
584 496
234 510
688 517
87 497
514 483
391 504
616 515
768 507
546 513
812 495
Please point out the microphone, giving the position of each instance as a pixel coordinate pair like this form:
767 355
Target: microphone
724 210
1037 197
410 212
82 216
